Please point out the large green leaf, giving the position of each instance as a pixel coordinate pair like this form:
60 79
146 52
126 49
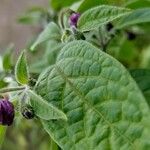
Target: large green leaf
136 17
98 16
51 31
104 106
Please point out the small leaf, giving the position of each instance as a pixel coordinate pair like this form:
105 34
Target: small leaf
76 5
7 58
29 19
51 31
32 16
21 69
136 17
98 16
43 109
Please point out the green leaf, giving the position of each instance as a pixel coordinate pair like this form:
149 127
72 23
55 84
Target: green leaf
33 16
103 104
147 96
43 109
136 17
21 69
2 135
87 4
7 58
98 16
58 4
52 50
54 146
29 18
145 55
51 31
76 5
137 4
3 83
142 77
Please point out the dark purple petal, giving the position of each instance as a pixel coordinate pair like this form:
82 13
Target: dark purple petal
6 112
1 116
74 19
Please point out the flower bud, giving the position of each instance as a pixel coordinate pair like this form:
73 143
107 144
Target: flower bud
28 112
6 112
74 19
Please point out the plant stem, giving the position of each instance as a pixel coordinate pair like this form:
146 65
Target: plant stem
12 89
102 40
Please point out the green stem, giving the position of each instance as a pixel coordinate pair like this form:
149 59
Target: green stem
64 12
12 89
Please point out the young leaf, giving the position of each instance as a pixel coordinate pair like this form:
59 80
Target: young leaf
136 17
51 31
98 16
21 69
104 106
7 58
43 109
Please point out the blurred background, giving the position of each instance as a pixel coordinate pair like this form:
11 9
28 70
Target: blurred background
10 30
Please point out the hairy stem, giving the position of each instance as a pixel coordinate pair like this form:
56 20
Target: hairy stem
12 89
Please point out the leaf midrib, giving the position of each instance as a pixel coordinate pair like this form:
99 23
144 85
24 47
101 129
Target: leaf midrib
62 74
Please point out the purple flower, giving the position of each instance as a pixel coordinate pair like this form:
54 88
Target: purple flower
6 112
74 19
